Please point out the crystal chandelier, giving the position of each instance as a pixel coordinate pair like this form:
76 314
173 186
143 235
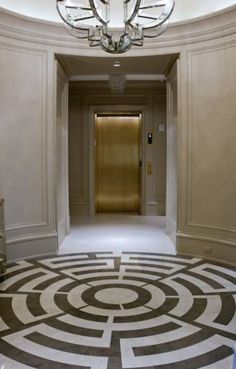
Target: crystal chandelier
117 83
91 19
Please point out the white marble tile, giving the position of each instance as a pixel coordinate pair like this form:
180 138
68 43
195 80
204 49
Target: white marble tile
157 297
22 264
158 339
19 340
195 281
211 312
117 233
129 360
106 312
226 363
3 326
116 281
12 280
115 295
185 297
137 257
28 287
74 296
6 363
211 275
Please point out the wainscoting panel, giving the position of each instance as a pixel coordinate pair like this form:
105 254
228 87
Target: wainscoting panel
208 223
26 176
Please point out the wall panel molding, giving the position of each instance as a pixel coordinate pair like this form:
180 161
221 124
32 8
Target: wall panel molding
28 218
202 51
208 80
53 34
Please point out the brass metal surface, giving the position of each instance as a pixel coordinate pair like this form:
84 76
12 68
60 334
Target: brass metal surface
149 168
117 169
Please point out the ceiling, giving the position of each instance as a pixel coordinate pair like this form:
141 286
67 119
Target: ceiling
87 66
184 9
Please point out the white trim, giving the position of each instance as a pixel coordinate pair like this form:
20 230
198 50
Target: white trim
26 238
31 246
206 247
213 240
205 258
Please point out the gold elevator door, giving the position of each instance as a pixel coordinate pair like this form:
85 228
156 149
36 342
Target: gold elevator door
117 169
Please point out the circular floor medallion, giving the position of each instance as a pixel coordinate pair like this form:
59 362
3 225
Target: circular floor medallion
102 311
116 295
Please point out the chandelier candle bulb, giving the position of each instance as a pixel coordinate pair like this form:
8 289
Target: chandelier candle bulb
136 19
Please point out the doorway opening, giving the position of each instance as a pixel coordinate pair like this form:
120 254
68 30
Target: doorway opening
120 175
118 163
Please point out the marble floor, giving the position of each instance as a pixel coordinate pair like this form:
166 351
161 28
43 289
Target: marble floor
134 308
117 232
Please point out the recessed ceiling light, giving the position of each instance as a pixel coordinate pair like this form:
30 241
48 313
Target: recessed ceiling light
116 64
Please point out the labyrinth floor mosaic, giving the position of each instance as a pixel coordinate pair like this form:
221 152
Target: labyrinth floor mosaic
102 311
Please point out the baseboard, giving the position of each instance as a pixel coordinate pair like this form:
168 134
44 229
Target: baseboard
207 247
61 231
77 210
156 208
31 246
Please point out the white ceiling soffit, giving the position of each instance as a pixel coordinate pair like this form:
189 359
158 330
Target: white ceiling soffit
184 9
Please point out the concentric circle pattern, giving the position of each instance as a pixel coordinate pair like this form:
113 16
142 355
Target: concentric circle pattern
103 311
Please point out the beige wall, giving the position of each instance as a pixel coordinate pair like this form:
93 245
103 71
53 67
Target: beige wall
86 96
206 131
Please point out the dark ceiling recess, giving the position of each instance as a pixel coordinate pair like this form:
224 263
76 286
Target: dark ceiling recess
80 65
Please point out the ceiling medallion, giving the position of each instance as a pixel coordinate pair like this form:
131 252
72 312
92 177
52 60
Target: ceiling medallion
90 19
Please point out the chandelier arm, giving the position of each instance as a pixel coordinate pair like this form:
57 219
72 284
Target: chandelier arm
73 31
82 28
135 11
83 18
95 11
151 6
168 6
159 23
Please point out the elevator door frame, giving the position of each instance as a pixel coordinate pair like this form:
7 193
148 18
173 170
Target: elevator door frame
134 205
115 110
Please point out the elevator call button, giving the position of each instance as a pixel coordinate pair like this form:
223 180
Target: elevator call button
149 138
